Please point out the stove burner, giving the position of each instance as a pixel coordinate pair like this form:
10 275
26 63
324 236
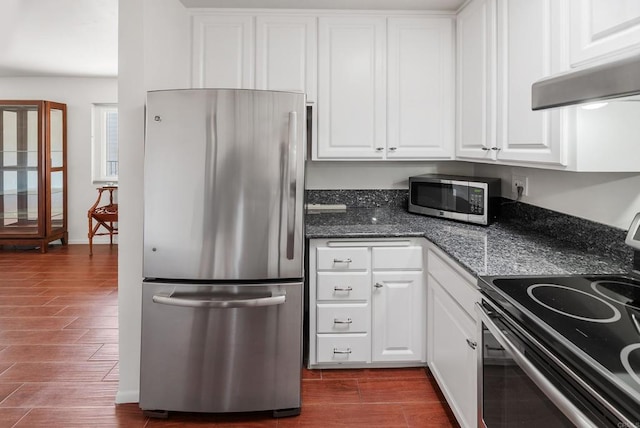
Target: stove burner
625 293
550 296
626 358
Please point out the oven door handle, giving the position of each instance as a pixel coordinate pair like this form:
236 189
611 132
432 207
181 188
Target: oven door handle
563 404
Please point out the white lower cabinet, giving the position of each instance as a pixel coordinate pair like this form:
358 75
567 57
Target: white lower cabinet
452 335
398 316
367 303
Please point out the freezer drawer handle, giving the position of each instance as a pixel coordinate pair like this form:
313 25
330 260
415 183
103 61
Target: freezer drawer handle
347 321
347 289
341 351
167 299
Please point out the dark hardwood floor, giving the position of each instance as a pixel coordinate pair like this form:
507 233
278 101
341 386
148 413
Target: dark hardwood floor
59 359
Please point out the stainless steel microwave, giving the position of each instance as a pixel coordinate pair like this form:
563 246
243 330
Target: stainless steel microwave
455 197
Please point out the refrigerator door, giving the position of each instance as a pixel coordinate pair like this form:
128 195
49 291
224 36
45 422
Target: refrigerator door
224 184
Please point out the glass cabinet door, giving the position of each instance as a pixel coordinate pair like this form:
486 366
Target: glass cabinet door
57 178
19 163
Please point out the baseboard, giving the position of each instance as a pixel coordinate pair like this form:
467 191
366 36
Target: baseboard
96 241
123 397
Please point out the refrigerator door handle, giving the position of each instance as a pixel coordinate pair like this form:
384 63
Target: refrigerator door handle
168 299
292 184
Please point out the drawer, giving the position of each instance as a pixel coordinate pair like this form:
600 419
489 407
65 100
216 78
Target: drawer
397 257
349 258
464 293
343 285
343 348
343 317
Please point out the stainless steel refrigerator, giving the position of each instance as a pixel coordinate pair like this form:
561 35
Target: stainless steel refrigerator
223 251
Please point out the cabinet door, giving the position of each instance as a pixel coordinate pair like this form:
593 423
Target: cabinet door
603 27
398 311
420 94
286 54
528 50
475 135
223 52
452 360
351 88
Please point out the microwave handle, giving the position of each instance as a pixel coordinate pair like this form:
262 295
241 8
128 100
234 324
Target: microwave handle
557 397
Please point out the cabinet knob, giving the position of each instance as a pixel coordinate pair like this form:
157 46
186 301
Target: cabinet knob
472 344
157 118
378 285
393 149
379 149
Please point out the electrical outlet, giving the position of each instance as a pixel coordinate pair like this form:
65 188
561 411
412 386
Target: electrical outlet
519 181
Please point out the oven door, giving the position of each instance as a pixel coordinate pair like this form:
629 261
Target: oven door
517 385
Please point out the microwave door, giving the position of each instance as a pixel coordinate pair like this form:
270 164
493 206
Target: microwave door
459 199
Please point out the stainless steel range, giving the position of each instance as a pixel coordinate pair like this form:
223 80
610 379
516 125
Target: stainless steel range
560 350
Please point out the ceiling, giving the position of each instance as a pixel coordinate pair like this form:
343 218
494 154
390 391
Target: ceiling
58 38
79 38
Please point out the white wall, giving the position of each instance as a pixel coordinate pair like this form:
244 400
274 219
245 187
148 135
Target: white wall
153 54
375 175
79 94
607 198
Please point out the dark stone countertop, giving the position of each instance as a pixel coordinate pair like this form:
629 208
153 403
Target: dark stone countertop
502 248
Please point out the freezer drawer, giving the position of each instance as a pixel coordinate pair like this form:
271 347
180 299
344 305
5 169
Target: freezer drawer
221 348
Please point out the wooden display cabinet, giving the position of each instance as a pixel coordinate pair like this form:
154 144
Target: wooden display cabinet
33 173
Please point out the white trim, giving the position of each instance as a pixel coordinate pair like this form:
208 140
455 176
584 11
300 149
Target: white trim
131 396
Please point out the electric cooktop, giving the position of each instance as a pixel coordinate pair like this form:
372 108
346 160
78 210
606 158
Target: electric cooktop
592 322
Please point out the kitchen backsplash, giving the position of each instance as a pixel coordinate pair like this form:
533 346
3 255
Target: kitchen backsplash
360 198
590 236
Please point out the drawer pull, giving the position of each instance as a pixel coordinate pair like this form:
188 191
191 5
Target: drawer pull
342 260
347 321
341 351
472 344
347 289
378 285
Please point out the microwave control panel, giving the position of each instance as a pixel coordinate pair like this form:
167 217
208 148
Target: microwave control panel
476 200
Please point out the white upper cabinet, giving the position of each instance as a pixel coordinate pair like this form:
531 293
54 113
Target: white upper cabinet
420 76
475 81
600 28
385 88
223 55
503 47
286 54
351 87
382 84
529 48
262 52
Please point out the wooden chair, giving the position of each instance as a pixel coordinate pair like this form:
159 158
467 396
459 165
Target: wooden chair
105 216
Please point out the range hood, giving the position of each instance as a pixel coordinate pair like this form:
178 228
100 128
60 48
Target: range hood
611 80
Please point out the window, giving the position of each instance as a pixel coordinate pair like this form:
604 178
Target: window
105 143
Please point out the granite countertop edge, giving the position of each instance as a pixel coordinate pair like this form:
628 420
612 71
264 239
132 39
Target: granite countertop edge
500 249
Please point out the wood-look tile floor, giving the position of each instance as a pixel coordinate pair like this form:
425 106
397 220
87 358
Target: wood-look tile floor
59 359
